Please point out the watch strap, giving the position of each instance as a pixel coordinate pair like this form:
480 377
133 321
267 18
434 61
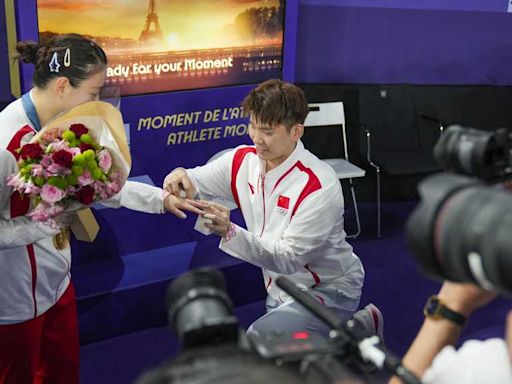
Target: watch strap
436 309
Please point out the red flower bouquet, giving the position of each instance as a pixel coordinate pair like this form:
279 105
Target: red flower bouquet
74 161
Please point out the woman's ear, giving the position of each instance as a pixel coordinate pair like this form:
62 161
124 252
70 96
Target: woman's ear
60 86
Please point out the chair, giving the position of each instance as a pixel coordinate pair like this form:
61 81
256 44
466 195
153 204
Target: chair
324 117
393 143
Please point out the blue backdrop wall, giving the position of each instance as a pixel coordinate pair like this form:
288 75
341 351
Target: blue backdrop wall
401 41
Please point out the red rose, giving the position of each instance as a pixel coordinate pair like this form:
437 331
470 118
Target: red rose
85 194
63 158
84 147
78 129
32 150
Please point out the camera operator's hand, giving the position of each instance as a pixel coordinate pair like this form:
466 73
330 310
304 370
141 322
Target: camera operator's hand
507 185
177 182
508 335
176 206
220 217
435 334
464 298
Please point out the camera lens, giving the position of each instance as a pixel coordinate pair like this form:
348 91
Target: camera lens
473 152
199 309
461 231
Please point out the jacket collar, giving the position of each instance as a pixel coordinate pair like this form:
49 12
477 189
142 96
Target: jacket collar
278 171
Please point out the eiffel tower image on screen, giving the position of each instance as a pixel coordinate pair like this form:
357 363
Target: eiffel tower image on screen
147 33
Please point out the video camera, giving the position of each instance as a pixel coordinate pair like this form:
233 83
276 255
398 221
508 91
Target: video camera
201 313
461 230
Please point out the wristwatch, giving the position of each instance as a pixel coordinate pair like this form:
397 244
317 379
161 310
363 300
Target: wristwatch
436 309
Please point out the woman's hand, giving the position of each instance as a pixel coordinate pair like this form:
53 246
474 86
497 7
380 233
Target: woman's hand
177 205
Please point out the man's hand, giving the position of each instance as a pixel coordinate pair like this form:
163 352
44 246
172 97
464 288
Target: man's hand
178 181
177 205
219 215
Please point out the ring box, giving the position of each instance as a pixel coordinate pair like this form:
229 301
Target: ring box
201 228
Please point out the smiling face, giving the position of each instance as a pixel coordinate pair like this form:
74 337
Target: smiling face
274 142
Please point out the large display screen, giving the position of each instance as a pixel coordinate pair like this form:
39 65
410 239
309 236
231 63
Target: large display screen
167 45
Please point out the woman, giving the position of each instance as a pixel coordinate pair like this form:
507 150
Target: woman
38 319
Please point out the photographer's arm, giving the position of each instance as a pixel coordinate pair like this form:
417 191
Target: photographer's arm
434 335
509 335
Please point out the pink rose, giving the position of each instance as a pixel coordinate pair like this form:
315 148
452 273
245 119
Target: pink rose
45 212
113 187
104 160
74 151
116 176
60 145
37 170
46 161
32 189
85 178
50 135
51 194
15 181
40 212
56 169
70 190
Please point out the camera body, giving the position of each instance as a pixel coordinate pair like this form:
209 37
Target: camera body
461 229
201 314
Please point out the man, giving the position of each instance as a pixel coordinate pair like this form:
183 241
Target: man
292 204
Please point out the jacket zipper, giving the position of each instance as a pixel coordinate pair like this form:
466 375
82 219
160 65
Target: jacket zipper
263 193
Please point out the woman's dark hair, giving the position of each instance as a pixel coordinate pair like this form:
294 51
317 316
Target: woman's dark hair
71 55
277 102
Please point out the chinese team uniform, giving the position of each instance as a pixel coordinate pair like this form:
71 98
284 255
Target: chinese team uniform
38 320
294 218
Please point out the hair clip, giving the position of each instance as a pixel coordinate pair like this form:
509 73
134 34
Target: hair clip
54 63
67 57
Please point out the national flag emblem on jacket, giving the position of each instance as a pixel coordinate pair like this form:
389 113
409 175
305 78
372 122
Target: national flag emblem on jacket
283 202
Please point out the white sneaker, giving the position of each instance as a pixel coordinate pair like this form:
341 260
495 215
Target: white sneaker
371 321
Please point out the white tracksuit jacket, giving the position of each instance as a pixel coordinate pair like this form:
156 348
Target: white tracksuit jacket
33 273
294 218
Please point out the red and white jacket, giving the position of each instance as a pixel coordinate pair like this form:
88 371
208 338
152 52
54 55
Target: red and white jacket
294 218
33 273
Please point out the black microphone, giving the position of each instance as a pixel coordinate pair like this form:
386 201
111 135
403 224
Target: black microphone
377 356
